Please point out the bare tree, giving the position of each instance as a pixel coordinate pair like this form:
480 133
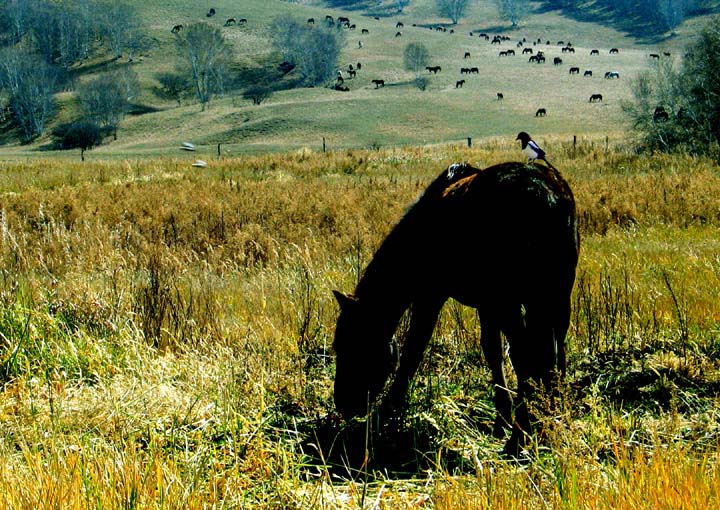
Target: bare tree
672 12
16 15
207 55
30 84
415 58
512 10
119 26
453 9
314 51
63 32
107 99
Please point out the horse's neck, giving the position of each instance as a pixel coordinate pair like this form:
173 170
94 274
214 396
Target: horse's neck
400 267
386 287
389 282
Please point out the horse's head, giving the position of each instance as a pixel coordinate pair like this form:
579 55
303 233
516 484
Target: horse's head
364 357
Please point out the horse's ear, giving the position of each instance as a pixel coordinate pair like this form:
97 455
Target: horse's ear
344 300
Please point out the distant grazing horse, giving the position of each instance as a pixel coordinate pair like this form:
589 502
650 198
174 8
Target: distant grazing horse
574 70
378 83
594 52
614 51
434 69
541 112
176 29
612 74
211 12
459 84
500 96
596 97
502 240
587 72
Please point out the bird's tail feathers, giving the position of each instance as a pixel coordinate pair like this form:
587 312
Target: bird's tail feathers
550 165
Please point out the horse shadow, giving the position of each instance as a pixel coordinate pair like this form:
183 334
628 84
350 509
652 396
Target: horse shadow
393 447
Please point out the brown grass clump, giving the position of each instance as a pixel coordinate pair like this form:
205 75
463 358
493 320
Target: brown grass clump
165 337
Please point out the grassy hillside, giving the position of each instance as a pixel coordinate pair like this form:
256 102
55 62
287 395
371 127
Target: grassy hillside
398 114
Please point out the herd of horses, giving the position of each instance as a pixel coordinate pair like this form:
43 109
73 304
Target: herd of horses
535 57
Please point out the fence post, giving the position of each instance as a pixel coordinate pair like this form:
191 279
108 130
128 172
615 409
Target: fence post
469 141
323 144
218 151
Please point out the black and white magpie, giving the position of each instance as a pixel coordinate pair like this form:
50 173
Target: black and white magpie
531 149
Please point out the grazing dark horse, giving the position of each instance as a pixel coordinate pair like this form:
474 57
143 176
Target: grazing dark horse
502 240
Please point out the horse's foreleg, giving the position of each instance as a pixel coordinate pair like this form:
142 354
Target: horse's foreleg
492 347
423 317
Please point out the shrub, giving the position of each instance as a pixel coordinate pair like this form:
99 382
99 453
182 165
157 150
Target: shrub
82 134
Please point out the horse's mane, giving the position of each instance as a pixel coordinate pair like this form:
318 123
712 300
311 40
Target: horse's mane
452 174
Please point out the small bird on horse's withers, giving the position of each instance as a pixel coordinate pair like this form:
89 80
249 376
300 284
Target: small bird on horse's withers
531 149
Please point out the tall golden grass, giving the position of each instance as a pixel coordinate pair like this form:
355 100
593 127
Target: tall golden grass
165 335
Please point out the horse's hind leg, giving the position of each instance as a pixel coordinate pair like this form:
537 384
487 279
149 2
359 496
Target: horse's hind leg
533 352
492 346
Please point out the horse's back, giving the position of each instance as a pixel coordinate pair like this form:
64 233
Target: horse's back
515 224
